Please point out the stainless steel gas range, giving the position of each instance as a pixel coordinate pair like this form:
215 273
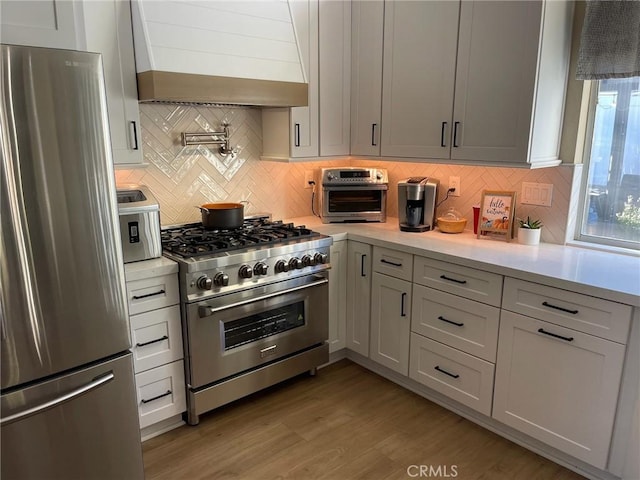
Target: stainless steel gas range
254 304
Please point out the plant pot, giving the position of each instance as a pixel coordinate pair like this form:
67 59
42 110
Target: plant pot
529 236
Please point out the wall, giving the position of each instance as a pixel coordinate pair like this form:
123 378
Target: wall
182 177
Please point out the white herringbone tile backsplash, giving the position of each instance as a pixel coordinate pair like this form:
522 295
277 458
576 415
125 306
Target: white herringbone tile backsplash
183 177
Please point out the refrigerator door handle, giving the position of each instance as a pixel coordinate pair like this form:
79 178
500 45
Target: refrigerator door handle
95 383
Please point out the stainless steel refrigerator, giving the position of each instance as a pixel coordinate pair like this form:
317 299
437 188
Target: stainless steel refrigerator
68 402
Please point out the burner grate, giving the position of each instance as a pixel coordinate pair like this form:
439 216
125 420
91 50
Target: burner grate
193 240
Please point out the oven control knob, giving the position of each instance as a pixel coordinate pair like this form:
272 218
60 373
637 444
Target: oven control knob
331 176
294 263
221 279
379 176
245 271
260 268
308 261
281 266
204 283
321 258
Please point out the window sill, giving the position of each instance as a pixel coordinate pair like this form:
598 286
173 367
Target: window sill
604 248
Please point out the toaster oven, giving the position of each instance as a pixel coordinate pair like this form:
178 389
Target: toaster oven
353 194
139 214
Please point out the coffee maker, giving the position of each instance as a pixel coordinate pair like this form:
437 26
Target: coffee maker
417 197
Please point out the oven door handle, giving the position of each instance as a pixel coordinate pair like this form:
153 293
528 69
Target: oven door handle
204 311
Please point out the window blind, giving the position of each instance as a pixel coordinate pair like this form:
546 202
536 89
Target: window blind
610 40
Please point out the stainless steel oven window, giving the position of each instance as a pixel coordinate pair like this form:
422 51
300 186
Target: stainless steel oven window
264 324
354 201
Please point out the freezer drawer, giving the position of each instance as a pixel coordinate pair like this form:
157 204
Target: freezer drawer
93 434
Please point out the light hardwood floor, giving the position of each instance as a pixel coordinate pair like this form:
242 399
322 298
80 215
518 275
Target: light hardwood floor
346 423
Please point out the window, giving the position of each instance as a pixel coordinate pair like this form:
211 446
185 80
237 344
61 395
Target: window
612 191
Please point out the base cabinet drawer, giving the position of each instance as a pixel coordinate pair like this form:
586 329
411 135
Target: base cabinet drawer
161 393
558 385
457 322
466 282
156 337
458 375
393 263
584 313
152 293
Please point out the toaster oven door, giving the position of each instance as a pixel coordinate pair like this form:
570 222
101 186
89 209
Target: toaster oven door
354 203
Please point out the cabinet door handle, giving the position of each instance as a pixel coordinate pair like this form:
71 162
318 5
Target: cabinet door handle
450 321
164 337
461 282
362 272
402 299
168 392
455 134
374 126
382 260
296 135
442 140
566 339
138 297
452 375
133 132
572 312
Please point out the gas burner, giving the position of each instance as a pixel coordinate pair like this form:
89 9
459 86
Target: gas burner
193 240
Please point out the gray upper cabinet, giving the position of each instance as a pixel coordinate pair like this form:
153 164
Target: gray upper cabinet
463 82
321 129
367 20
420 40
50 23
95 26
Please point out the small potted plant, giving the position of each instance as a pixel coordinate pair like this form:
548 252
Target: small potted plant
529 231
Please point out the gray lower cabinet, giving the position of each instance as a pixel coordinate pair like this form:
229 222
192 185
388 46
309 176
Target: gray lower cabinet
338 296
544 361
156 337
555 380
390 322
358 296
454 331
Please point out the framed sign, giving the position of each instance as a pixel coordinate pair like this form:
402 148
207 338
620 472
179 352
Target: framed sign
497 213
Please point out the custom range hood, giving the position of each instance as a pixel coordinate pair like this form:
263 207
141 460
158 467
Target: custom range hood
227 52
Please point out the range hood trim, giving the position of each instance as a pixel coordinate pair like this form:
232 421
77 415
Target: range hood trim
172 87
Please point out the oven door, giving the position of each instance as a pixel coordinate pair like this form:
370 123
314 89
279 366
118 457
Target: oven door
233 333
354 203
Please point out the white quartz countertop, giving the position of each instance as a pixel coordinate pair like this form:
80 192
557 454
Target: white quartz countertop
154 267
591 272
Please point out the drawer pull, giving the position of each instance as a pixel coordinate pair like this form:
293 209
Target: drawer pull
566 339
152 341
362 272
169 392
452 375
461 282
450 321
382 260
138 297
550 305
402 298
